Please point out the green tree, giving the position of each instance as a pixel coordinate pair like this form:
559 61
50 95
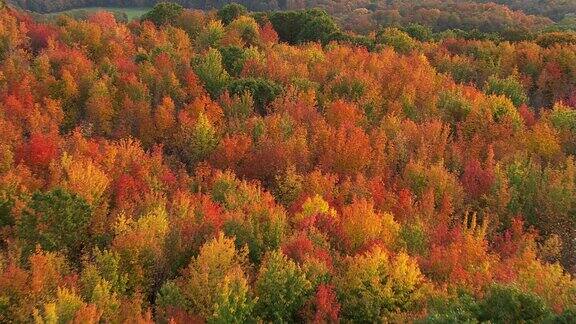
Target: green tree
259 223
233 58
461 309
502 108
556 38
566 317
319 26
169 296
106 299
6 218
247 29
163 13
419 32
262 90
453 107
203 139
105 266
397 39
281 288
216 282
233 303
507 304
57 220
63 310
102 281
304 26
287 24
210 70
288 186
211 36
509 87
231 12
140 246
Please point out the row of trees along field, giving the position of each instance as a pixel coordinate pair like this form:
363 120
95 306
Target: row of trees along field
230 167
361 15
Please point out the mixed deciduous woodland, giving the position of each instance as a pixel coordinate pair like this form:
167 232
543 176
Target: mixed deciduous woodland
383 161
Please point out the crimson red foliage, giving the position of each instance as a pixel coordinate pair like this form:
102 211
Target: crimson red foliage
39 151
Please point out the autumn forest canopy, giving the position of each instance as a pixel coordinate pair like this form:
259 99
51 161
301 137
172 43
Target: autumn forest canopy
288 161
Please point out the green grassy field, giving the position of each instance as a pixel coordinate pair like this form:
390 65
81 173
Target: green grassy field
131 13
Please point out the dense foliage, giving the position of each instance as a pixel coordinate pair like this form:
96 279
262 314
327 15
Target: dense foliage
233 167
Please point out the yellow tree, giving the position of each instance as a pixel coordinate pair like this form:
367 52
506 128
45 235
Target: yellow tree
212 278
374 285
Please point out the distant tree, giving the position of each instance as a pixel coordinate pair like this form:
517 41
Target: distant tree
163 13
566 317
165 119
453 107
288 186
64 309
556 38
502 109
103 281
191 21
231 12
287 25
397 39
268 34
419 32
374 177
304 25
476 180
140 246
318 27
